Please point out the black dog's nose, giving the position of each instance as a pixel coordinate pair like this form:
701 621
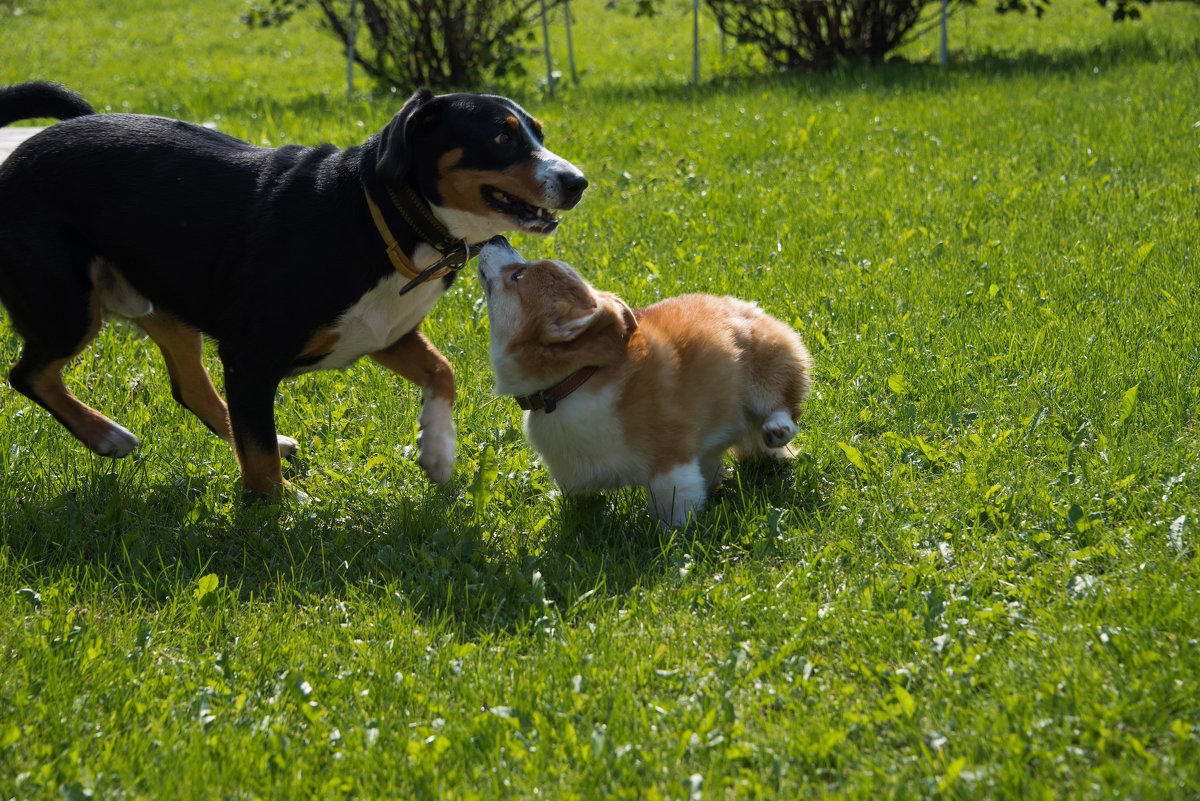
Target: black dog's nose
572 185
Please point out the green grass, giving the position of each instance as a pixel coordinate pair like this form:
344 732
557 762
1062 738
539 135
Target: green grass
978 581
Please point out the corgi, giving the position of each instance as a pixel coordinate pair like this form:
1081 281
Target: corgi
654 397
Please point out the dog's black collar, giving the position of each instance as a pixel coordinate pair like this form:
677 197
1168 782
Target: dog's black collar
547 399
420 220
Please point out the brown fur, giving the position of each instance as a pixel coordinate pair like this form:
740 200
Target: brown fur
679 383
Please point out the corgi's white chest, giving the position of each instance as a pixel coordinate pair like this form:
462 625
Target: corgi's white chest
582 443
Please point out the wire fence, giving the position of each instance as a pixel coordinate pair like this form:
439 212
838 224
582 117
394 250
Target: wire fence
942 22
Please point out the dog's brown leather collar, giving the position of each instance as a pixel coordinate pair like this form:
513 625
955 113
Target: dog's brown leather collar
395 252
547 399
455 252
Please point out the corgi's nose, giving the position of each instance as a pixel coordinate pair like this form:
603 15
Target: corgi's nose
497 253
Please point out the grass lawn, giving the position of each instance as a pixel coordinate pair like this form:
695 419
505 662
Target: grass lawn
979 580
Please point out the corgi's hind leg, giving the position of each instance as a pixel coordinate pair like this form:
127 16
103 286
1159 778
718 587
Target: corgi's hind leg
766 437
778 429
780 379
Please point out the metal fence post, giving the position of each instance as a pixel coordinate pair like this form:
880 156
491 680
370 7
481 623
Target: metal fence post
945 35
350 49
546 39
570 43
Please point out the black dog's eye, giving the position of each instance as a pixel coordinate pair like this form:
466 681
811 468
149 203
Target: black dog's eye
503 139
516 276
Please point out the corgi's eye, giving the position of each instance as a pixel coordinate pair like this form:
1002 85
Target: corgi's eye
516 276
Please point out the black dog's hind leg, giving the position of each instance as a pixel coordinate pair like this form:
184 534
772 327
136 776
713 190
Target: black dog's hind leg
53 337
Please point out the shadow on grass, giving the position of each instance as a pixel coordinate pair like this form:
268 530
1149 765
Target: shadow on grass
610 541
153 544
1137 47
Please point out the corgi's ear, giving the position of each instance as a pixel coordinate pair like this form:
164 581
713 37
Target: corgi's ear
628 319
573 321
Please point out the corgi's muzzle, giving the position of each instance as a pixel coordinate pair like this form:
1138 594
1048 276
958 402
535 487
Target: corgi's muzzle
496 254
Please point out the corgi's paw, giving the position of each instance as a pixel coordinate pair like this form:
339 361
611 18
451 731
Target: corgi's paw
677 496
287 446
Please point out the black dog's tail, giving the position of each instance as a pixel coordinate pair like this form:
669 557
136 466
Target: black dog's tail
27 101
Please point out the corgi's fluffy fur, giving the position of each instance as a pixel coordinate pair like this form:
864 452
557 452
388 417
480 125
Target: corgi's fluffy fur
678 383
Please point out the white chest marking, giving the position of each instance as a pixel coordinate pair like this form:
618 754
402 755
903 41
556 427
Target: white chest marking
582 444
379 318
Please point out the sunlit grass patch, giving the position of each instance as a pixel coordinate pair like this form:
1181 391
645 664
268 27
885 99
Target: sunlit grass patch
977 580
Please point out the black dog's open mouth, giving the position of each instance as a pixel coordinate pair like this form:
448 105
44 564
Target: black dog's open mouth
531 218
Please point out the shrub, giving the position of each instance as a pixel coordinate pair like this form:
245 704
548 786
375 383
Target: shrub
799 34
814 34
443 44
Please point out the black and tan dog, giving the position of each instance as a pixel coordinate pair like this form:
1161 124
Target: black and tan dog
291 258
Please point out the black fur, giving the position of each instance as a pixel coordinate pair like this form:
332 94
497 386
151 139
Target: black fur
40 99
258 248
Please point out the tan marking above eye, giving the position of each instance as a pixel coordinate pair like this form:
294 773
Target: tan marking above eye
449 160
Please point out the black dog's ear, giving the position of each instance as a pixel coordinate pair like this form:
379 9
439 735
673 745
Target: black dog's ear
394 158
